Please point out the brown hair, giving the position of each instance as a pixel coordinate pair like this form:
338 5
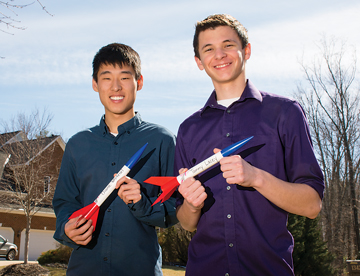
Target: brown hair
216 20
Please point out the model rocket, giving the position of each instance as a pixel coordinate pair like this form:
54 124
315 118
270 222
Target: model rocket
169 184
91 211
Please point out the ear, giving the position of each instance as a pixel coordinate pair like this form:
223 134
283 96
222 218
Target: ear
247 51
199 63
140 83
95 85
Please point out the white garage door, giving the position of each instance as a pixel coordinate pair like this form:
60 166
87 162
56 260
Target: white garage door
8 233
40 241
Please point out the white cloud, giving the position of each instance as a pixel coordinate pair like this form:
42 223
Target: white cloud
278 46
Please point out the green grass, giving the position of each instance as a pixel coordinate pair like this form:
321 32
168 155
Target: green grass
167 270
56 271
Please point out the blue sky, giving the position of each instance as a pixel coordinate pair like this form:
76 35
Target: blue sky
49 63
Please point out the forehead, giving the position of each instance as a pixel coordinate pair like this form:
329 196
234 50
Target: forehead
115 69
219 34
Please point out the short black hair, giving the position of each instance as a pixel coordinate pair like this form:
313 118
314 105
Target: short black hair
117 54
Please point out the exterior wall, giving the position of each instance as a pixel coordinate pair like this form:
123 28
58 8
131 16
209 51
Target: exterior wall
43 223
17 221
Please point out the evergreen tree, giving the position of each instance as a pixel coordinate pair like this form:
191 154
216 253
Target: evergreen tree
311 256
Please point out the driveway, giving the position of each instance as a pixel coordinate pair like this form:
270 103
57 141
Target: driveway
4 262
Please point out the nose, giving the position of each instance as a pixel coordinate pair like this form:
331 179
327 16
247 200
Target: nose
115 86
219 53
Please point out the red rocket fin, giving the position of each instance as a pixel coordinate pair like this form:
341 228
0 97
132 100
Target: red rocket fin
159 180
168 189
90 211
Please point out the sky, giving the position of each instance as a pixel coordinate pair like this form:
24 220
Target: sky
49 64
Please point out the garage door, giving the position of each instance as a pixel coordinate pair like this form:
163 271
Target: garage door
8 233
40 241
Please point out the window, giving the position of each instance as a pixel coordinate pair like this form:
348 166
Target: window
47 184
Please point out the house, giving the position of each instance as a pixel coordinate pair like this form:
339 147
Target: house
29 170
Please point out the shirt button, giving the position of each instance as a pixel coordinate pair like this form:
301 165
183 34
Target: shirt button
228 111
109 210
227 134
107 234
228 188
231 245
113 164
115 143
227 274
105 259
228 216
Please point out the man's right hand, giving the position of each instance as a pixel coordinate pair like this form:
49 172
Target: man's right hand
193 192
79 230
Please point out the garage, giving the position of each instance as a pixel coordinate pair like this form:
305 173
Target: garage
40 241
7 233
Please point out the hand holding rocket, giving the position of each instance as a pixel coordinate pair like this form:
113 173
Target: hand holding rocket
92 210
169 184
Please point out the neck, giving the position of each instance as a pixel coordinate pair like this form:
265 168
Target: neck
113 121
230 90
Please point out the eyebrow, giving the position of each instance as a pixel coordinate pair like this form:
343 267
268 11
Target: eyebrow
108 72
225 41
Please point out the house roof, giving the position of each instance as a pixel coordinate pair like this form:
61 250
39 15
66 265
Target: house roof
6 137
9 205
23 152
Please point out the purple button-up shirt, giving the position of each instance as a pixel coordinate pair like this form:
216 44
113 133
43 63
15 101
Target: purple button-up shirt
240 232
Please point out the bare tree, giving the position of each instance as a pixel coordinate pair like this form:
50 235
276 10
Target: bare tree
31 167
9 13
331 102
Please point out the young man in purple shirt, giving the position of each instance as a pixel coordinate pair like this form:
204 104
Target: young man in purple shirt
240 208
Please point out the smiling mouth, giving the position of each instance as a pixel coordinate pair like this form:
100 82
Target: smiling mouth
117 98
222 65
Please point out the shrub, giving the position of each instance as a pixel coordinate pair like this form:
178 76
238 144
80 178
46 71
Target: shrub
59 255
174 242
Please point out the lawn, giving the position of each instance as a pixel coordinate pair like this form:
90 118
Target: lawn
167 270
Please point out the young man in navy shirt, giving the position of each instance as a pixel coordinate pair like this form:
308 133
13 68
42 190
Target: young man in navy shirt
125 241
240 209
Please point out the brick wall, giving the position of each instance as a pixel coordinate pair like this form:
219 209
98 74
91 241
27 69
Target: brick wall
17 222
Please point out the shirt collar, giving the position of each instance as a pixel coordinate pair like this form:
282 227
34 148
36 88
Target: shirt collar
128 126
250 92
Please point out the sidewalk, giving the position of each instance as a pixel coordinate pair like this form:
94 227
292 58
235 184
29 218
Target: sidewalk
4 262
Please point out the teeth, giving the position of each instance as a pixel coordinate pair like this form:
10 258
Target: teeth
221 66
117 98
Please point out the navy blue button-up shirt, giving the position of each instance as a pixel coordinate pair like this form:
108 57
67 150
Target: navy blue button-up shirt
125 241
240 232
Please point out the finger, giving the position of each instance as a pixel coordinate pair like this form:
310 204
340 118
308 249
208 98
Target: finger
189 186
76 234
130 193
85 237
72 222
120 182
188 182
82 228
197 198
216 150
129 181
132 198
182 170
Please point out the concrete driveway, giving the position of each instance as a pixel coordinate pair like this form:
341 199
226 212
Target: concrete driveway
4 262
